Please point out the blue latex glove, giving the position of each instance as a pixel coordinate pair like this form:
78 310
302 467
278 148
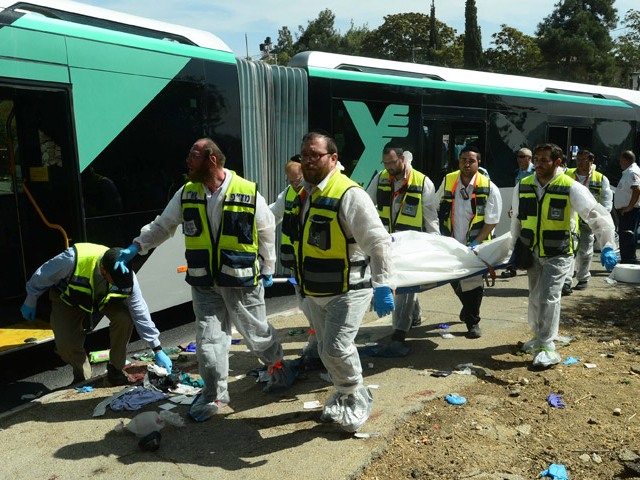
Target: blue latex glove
383 302
267 281
162 360
558 472
555 400
125 256
608 258
29 313
475 243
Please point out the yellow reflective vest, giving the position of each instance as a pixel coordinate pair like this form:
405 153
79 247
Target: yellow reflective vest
287 254
478 201
322 250
410 215
231 259
79 290
595 182
546 223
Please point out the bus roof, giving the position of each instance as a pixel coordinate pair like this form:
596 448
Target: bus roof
457 75
104 18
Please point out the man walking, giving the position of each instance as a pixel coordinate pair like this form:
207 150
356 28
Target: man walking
342 251
405 199
546 204
598 184
470 207
229 236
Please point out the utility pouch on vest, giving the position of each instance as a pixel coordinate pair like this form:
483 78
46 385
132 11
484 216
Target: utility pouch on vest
527 207
237 268
287 256
410 207
324 276
291 227
198 273
239 225
191 222
556 242
383 198
320 232
556 209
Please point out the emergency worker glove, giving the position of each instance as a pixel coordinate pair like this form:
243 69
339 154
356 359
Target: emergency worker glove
608 258
267 280
125 256
383 302
163 360
473 244
29 313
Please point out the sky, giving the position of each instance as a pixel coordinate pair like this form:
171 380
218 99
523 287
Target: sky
231 20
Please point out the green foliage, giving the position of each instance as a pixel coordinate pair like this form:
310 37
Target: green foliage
404 35
514 53
575 41
473 57
627 49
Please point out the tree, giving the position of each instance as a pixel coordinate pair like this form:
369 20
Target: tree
575 41
352 42
283 51
434 36
514 53
473 58
404 34
627 50
319 35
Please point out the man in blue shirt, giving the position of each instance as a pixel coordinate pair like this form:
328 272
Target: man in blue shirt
82 286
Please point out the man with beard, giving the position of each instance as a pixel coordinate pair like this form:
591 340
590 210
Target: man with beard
470 207
230 248
405 199
342 251
546 205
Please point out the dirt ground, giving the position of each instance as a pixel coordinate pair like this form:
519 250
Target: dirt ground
507 429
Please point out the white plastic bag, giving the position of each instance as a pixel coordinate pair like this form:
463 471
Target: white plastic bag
146 422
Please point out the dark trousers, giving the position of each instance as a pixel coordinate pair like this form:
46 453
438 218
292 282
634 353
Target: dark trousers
471 301
627 227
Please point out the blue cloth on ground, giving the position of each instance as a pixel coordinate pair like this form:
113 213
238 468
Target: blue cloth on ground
136 399
571 360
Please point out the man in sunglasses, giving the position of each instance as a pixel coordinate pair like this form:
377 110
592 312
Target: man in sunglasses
470 207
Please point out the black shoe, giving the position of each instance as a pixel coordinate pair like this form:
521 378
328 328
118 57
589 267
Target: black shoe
474 331
116 377
398 336
416 322
566 290
509 273
582 285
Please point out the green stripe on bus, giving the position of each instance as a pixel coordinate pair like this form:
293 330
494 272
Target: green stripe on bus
33 71
457 87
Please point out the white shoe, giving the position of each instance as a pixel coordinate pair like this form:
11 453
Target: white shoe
356 409
546 358
201 410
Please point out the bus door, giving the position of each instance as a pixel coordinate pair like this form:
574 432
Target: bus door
571 140
39 211
443 141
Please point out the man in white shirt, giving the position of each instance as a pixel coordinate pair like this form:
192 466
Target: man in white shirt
627 204
470 208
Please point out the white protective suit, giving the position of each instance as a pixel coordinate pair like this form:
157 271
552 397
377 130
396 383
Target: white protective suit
336 319
547 274
407 306
582 260
218 309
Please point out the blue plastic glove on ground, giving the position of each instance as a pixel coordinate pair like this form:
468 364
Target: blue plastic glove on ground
267 281
125 256
608 258
555 400
558 472
475 243
29 313
383 302
162 360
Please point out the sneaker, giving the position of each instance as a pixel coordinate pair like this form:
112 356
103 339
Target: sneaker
281 376
357 408
582 285
546 358
201 410
566 290
116 377
473 331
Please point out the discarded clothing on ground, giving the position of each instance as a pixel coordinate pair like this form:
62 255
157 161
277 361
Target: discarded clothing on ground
392 350
426 260
136 399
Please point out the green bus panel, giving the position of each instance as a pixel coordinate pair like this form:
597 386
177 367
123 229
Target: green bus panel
33 71
30 45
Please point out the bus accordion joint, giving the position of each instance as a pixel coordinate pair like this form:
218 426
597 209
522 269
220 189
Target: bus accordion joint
182 268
